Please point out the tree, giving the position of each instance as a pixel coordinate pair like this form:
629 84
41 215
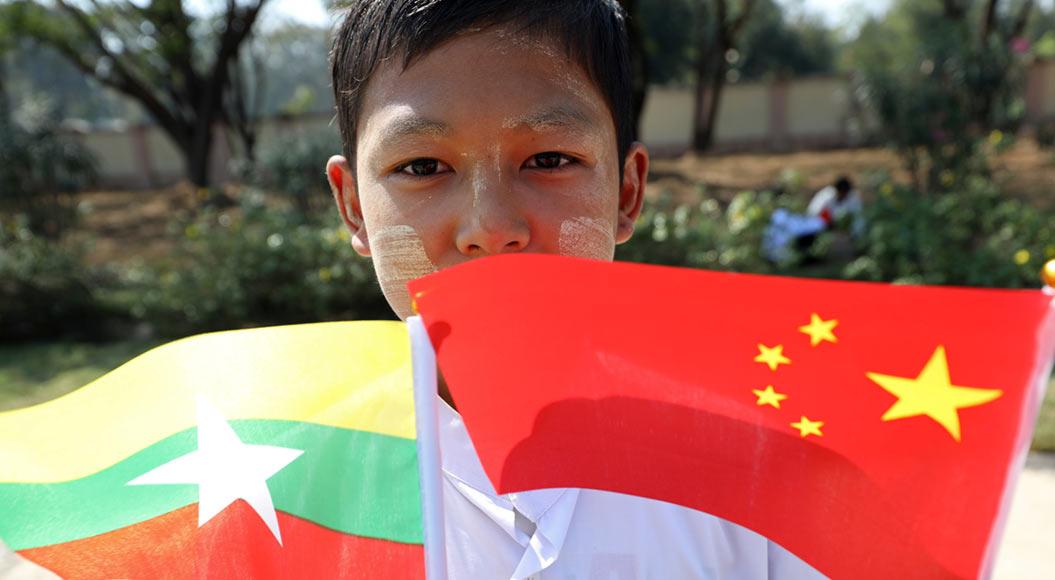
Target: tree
6 43
942 75
772 44
719 28
638 61
182 70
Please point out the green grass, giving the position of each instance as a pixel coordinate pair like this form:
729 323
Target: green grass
1044 436
36 373
31 374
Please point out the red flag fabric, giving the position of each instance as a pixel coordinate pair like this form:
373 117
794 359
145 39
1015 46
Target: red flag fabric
873 430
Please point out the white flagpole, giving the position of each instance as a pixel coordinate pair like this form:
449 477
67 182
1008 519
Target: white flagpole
426 413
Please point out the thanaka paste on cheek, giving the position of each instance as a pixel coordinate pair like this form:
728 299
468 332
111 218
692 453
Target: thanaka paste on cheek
587 237
399 257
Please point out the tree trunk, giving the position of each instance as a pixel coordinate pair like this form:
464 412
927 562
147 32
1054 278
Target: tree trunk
710 74
5 105
639 64
196 154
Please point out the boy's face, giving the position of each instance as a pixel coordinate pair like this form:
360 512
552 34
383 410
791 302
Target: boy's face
490 143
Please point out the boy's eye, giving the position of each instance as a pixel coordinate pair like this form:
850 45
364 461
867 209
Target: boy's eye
423 167
549 160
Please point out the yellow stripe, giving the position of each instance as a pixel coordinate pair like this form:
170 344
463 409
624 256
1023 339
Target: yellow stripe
355 375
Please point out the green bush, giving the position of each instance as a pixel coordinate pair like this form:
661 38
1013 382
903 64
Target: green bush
969 237
257 266
941 88
294 171
705 236
40 169
47 291
972 236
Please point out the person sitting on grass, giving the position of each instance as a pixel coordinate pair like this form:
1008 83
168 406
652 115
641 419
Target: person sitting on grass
478 127
840 206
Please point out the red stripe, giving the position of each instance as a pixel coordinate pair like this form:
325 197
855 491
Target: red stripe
234 544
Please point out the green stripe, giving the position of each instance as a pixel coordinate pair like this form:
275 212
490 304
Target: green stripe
356 482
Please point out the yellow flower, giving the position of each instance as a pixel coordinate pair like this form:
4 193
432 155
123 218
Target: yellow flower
1022 257
947 178
191 231
996 137
343 234
886 189
1049 251
325 274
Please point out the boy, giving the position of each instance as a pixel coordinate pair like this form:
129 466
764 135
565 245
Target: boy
476 127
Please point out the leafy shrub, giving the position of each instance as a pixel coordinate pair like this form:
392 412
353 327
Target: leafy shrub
39 170
257 266
705 236
942 89
46 290
970 237
294 170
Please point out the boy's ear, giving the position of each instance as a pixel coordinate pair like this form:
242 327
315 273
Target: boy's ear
631 191
346 194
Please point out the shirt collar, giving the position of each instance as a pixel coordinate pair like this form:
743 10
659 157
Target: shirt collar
549 509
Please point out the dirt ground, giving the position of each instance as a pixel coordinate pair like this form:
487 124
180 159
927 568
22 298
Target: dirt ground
127 224
1025 170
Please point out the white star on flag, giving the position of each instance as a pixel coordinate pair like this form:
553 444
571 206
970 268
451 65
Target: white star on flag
225 470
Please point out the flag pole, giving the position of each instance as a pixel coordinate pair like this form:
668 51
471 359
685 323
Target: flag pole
427 425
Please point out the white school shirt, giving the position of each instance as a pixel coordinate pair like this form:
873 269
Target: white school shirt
828 198
583 534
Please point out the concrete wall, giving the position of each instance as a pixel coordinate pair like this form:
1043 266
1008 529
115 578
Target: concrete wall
772 116
743 113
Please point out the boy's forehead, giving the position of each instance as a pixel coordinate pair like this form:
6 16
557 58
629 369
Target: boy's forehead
491 76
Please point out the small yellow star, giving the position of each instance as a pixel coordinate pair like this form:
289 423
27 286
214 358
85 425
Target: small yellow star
807 427
820 330
773 357
769 396
932 394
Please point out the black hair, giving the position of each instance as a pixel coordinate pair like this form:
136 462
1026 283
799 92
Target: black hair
843 184
592 33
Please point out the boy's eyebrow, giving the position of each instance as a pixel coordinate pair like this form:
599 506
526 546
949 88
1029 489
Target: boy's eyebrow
553 118
411 126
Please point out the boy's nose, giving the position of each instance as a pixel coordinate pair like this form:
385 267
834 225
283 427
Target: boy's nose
493 225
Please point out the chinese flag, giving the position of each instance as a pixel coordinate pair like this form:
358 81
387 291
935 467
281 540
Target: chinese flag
873 430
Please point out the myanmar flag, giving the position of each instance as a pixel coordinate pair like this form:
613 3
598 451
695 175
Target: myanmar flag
283 452
873 430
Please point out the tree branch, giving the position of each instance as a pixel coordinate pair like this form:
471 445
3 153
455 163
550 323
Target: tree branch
742 18
988 20
123 81
239 23
1018 29
954 10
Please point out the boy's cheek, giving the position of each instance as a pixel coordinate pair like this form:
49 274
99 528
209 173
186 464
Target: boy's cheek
399 256
587 237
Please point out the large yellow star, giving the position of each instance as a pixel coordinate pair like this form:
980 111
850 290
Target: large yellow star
773 357
807 427
820 330
932 394
769 396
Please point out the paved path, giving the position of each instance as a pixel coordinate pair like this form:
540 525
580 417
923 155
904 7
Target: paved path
1028 551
